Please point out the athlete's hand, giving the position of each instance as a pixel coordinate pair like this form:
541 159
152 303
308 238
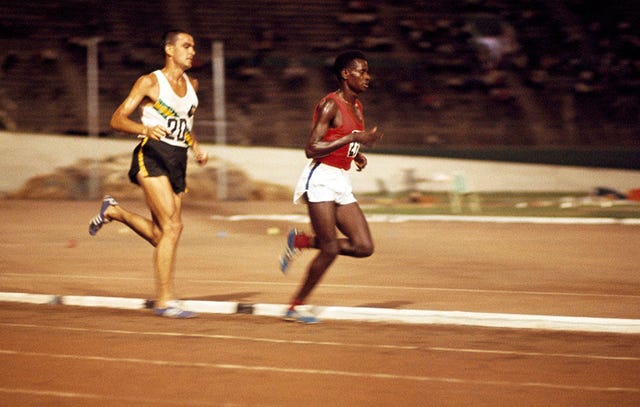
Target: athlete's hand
202 157
367 137
361 161
156 132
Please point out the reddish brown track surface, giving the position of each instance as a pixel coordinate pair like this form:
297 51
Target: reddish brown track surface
64 355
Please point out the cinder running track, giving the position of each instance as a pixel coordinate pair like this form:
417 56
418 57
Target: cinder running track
71 355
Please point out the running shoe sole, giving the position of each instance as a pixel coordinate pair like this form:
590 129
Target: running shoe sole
295 316
99 220
289 252
174 312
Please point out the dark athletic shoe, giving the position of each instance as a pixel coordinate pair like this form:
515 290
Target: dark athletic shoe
290 251
174 312
304 318
99 220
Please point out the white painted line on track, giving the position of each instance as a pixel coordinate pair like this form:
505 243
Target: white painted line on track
29 298
209 336
534 354
367 314
102 397
444 218
211 307
104 302
329 285
319 372
318 343
492 320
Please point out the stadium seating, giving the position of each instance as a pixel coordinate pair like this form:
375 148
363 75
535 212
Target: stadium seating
447 72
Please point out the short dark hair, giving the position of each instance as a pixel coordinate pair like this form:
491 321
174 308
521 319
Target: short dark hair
169 37
344 60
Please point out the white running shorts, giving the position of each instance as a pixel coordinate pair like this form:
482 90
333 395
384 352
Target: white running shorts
323 183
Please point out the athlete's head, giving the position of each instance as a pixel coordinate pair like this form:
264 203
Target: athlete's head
346 61
179 48
170 37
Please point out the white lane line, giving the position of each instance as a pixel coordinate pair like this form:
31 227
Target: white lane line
495 320
322 343
320 372
212 336
371 314
534 354
381 218
103 397
58 277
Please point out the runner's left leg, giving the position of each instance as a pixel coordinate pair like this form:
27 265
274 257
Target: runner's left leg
166 207
323 220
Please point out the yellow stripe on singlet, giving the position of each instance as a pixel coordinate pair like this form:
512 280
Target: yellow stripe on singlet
188 138
142 168
164 110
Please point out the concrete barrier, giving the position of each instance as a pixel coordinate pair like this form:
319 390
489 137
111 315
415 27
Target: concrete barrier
24 156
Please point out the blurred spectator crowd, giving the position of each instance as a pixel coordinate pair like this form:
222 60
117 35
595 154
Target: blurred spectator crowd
446 72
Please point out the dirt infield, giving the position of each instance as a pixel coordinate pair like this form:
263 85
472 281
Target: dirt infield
62 355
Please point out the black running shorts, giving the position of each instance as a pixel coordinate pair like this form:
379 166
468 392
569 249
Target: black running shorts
152 158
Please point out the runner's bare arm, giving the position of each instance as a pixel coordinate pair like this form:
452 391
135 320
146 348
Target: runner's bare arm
145 89
329 116
201 156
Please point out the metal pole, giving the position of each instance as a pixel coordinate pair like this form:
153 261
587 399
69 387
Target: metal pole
219 111
93 110
92 87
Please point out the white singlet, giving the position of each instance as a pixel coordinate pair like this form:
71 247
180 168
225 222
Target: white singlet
172 111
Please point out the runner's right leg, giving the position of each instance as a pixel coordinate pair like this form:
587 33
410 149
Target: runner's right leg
166 207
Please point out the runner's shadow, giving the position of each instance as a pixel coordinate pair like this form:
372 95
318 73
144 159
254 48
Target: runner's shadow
388 304
239 297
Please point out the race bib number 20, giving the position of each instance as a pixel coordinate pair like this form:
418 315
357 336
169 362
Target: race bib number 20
177 128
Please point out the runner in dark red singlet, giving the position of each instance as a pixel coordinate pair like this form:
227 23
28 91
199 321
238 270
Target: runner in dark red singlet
334 143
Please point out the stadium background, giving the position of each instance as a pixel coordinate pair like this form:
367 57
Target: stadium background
435 97
536 81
